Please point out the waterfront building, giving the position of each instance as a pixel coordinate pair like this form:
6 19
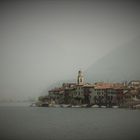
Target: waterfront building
133 90
78 89
107 94
69 91
88 93
56 95
100 93
134 84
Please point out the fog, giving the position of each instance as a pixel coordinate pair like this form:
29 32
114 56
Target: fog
44 42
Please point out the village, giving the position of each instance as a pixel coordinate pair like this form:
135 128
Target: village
100 94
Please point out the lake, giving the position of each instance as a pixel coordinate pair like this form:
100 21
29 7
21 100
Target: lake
38 123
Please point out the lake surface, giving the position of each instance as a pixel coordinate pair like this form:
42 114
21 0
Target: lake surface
34 123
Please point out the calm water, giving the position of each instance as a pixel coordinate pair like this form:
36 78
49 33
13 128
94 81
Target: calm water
23 123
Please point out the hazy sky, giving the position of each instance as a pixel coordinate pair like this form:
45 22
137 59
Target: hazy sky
43 42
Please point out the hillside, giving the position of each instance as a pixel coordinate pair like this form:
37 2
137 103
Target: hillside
120 64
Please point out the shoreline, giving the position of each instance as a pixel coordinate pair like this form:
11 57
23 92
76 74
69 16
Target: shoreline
85 106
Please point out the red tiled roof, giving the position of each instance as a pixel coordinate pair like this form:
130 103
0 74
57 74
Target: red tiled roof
109 86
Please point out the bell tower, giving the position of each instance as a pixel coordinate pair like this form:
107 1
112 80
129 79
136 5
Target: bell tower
80 78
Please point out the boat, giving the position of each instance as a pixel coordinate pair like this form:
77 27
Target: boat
84 105
137 106
76 106
95 106
65 105
115 106
103 106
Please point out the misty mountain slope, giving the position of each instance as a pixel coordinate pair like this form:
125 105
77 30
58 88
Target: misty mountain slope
119 65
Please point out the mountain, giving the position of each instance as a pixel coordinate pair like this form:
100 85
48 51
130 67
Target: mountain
119 65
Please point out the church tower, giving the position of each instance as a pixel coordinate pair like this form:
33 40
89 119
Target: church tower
80 78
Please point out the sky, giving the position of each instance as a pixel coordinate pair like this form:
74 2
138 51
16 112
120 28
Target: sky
44 42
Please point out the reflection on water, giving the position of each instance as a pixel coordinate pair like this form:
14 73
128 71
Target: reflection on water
23 123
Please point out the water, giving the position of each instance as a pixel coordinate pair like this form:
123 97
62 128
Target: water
34 123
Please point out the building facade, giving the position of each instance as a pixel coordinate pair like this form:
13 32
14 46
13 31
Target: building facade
79 93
